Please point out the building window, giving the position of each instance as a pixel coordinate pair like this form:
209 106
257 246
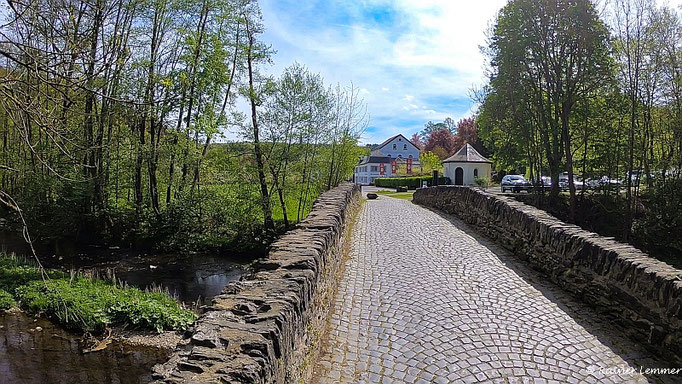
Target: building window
475 172
374 168
410 156
395 146
404 147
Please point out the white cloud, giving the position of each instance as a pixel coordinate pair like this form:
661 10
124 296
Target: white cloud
422 54
427 51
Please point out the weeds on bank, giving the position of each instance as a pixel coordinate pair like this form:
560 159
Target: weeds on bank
6 300
88 304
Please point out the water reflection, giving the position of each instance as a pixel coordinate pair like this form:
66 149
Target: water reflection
189 278
36 351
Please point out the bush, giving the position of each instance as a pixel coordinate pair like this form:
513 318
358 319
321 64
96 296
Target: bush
481 182
412 182
6 300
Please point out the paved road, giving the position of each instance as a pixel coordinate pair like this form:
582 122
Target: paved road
423 299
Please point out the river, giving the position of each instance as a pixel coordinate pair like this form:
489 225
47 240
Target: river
33 350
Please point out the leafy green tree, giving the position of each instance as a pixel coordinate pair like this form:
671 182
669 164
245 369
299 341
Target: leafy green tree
549 55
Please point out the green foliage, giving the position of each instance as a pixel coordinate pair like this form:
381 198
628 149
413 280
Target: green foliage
6 300
129 149
88 304
15 272
481 182
430 162
660 229
412 182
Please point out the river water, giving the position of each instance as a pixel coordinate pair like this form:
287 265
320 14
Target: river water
33 350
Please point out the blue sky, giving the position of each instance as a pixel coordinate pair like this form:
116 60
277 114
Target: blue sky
414 61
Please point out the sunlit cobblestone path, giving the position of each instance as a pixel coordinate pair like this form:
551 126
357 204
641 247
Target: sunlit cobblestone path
425 300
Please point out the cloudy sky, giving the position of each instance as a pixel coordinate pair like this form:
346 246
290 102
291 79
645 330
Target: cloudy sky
414 61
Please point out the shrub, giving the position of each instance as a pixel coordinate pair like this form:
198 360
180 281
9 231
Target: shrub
481 182
6 300
412 182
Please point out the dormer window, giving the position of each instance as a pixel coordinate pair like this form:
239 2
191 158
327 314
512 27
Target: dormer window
395 146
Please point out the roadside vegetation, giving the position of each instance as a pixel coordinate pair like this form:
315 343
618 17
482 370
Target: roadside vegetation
398 195
593 90
87 304
411 182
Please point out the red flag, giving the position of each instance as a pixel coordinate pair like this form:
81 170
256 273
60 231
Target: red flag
409 165
382 168
394 167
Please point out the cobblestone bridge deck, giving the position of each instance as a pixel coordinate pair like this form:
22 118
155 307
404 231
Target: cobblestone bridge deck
424 299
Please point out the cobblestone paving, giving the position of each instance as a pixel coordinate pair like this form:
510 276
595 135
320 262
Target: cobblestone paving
423 299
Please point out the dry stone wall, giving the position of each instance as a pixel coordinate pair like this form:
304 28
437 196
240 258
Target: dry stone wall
260 328
641 294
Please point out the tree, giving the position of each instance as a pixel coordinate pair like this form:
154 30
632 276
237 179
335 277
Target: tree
442 143
556 52
257 52
430 162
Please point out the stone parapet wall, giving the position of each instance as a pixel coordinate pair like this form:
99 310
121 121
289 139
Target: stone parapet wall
639 293
259 330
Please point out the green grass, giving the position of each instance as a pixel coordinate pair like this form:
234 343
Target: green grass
87 304
398 195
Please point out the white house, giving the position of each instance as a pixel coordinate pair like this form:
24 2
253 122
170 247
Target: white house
465 165
386 158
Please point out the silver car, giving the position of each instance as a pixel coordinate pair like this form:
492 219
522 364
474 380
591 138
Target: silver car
515 183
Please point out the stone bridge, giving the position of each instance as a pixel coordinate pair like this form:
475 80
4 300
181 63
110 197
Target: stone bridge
425 299
410 294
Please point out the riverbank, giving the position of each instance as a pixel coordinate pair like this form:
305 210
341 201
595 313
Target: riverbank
89 304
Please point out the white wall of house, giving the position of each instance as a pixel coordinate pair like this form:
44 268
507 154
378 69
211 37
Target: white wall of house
469 171
400 147
366 173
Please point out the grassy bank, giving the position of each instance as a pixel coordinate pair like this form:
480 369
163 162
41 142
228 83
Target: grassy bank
398 195
87 304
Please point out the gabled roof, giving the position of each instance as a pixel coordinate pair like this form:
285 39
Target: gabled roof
375 159
467 154
385 143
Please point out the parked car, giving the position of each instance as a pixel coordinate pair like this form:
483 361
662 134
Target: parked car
544 182
563 182
515 183
603 182
635 176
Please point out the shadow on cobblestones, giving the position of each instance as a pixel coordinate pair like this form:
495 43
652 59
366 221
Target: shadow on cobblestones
608 333
425 299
